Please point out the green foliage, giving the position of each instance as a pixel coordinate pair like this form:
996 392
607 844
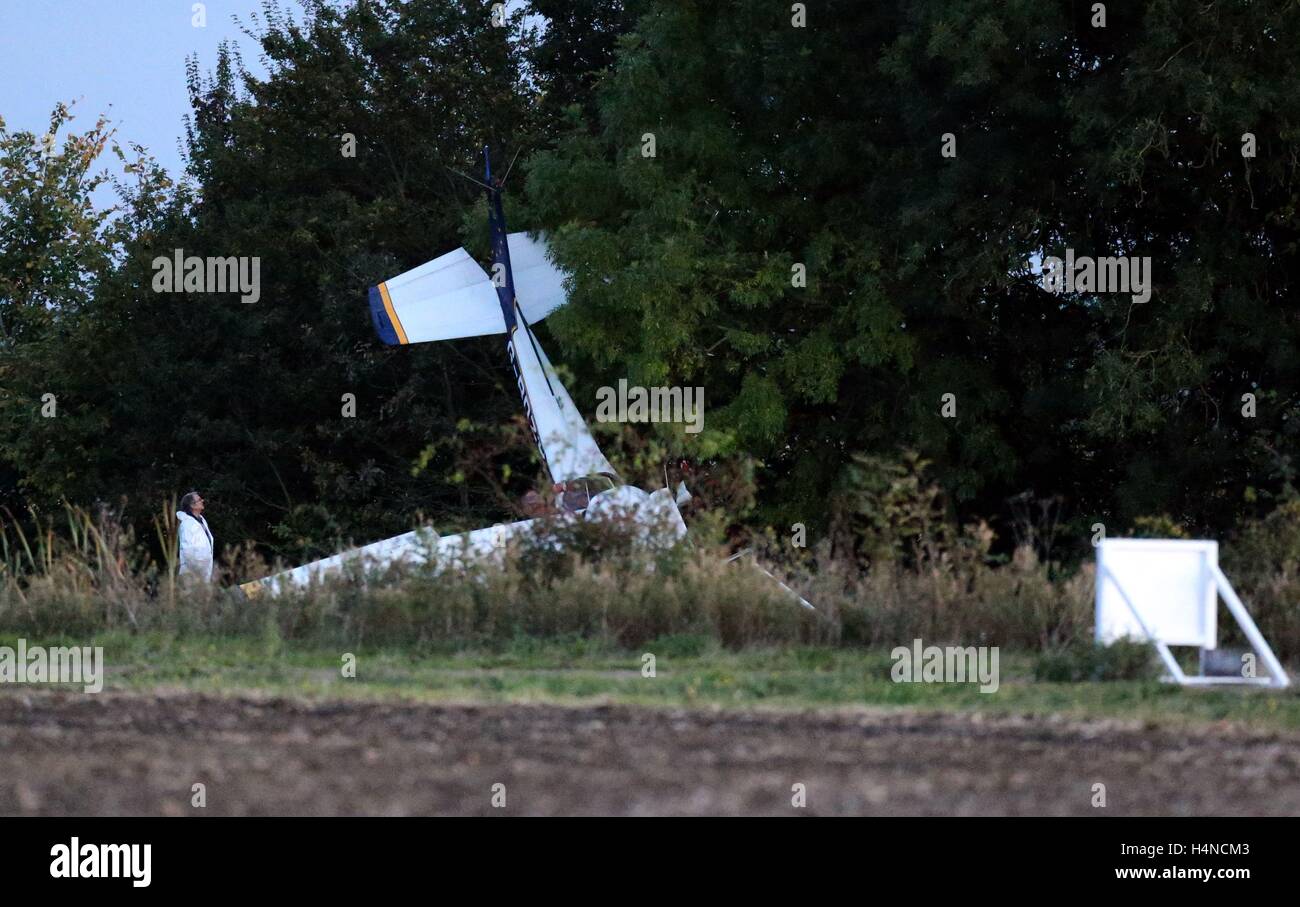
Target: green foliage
54 244
162 393
1157 527
57 255
578 44
779 152
1086 661
820 146
894 511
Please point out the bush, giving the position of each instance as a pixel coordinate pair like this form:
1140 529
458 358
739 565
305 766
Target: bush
1080 661
1263 563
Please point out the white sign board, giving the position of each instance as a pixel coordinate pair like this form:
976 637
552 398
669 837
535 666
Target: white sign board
1170 583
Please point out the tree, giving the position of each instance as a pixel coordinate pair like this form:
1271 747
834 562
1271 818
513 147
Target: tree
246 401
578 44
56 251
823 147
833 226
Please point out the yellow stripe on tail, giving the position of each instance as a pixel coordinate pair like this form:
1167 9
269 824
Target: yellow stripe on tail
392 313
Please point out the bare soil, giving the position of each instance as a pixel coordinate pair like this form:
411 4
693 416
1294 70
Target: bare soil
141 754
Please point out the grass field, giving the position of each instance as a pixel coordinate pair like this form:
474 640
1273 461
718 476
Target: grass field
690 672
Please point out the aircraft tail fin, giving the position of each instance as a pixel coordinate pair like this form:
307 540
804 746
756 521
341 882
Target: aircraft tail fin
558 428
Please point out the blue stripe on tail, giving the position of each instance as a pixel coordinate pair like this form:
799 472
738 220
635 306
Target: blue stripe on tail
383 324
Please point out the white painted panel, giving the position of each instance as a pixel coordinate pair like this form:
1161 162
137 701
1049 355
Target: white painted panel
1168 581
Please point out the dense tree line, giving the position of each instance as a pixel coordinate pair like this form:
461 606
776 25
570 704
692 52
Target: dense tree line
839 225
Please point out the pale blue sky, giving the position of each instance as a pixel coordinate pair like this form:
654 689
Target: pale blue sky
124 58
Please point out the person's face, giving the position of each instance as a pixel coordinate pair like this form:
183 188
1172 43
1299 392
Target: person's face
197 506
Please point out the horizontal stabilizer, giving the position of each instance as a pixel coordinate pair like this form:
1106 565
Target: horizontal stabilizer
442 299
452 296
539 285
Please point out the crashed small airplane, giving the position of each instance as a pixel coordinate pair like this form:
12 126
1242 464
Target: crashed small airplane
452 297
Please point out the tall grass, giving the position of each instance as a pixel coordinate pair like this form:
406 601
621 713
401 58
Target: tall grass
81 574
89 575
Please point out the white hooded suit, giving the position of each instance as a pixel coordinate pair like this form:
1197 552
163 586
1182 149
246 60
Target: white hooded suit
196 546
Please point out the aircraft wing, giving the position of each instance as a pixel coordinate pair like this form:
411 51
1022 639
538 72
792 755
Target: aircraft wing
412 548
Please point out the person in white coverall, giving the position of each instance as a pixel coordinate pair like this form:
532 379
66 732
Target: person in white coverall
196 538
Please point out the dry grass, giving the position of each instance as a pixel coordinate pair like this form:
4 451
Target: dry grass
91 576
